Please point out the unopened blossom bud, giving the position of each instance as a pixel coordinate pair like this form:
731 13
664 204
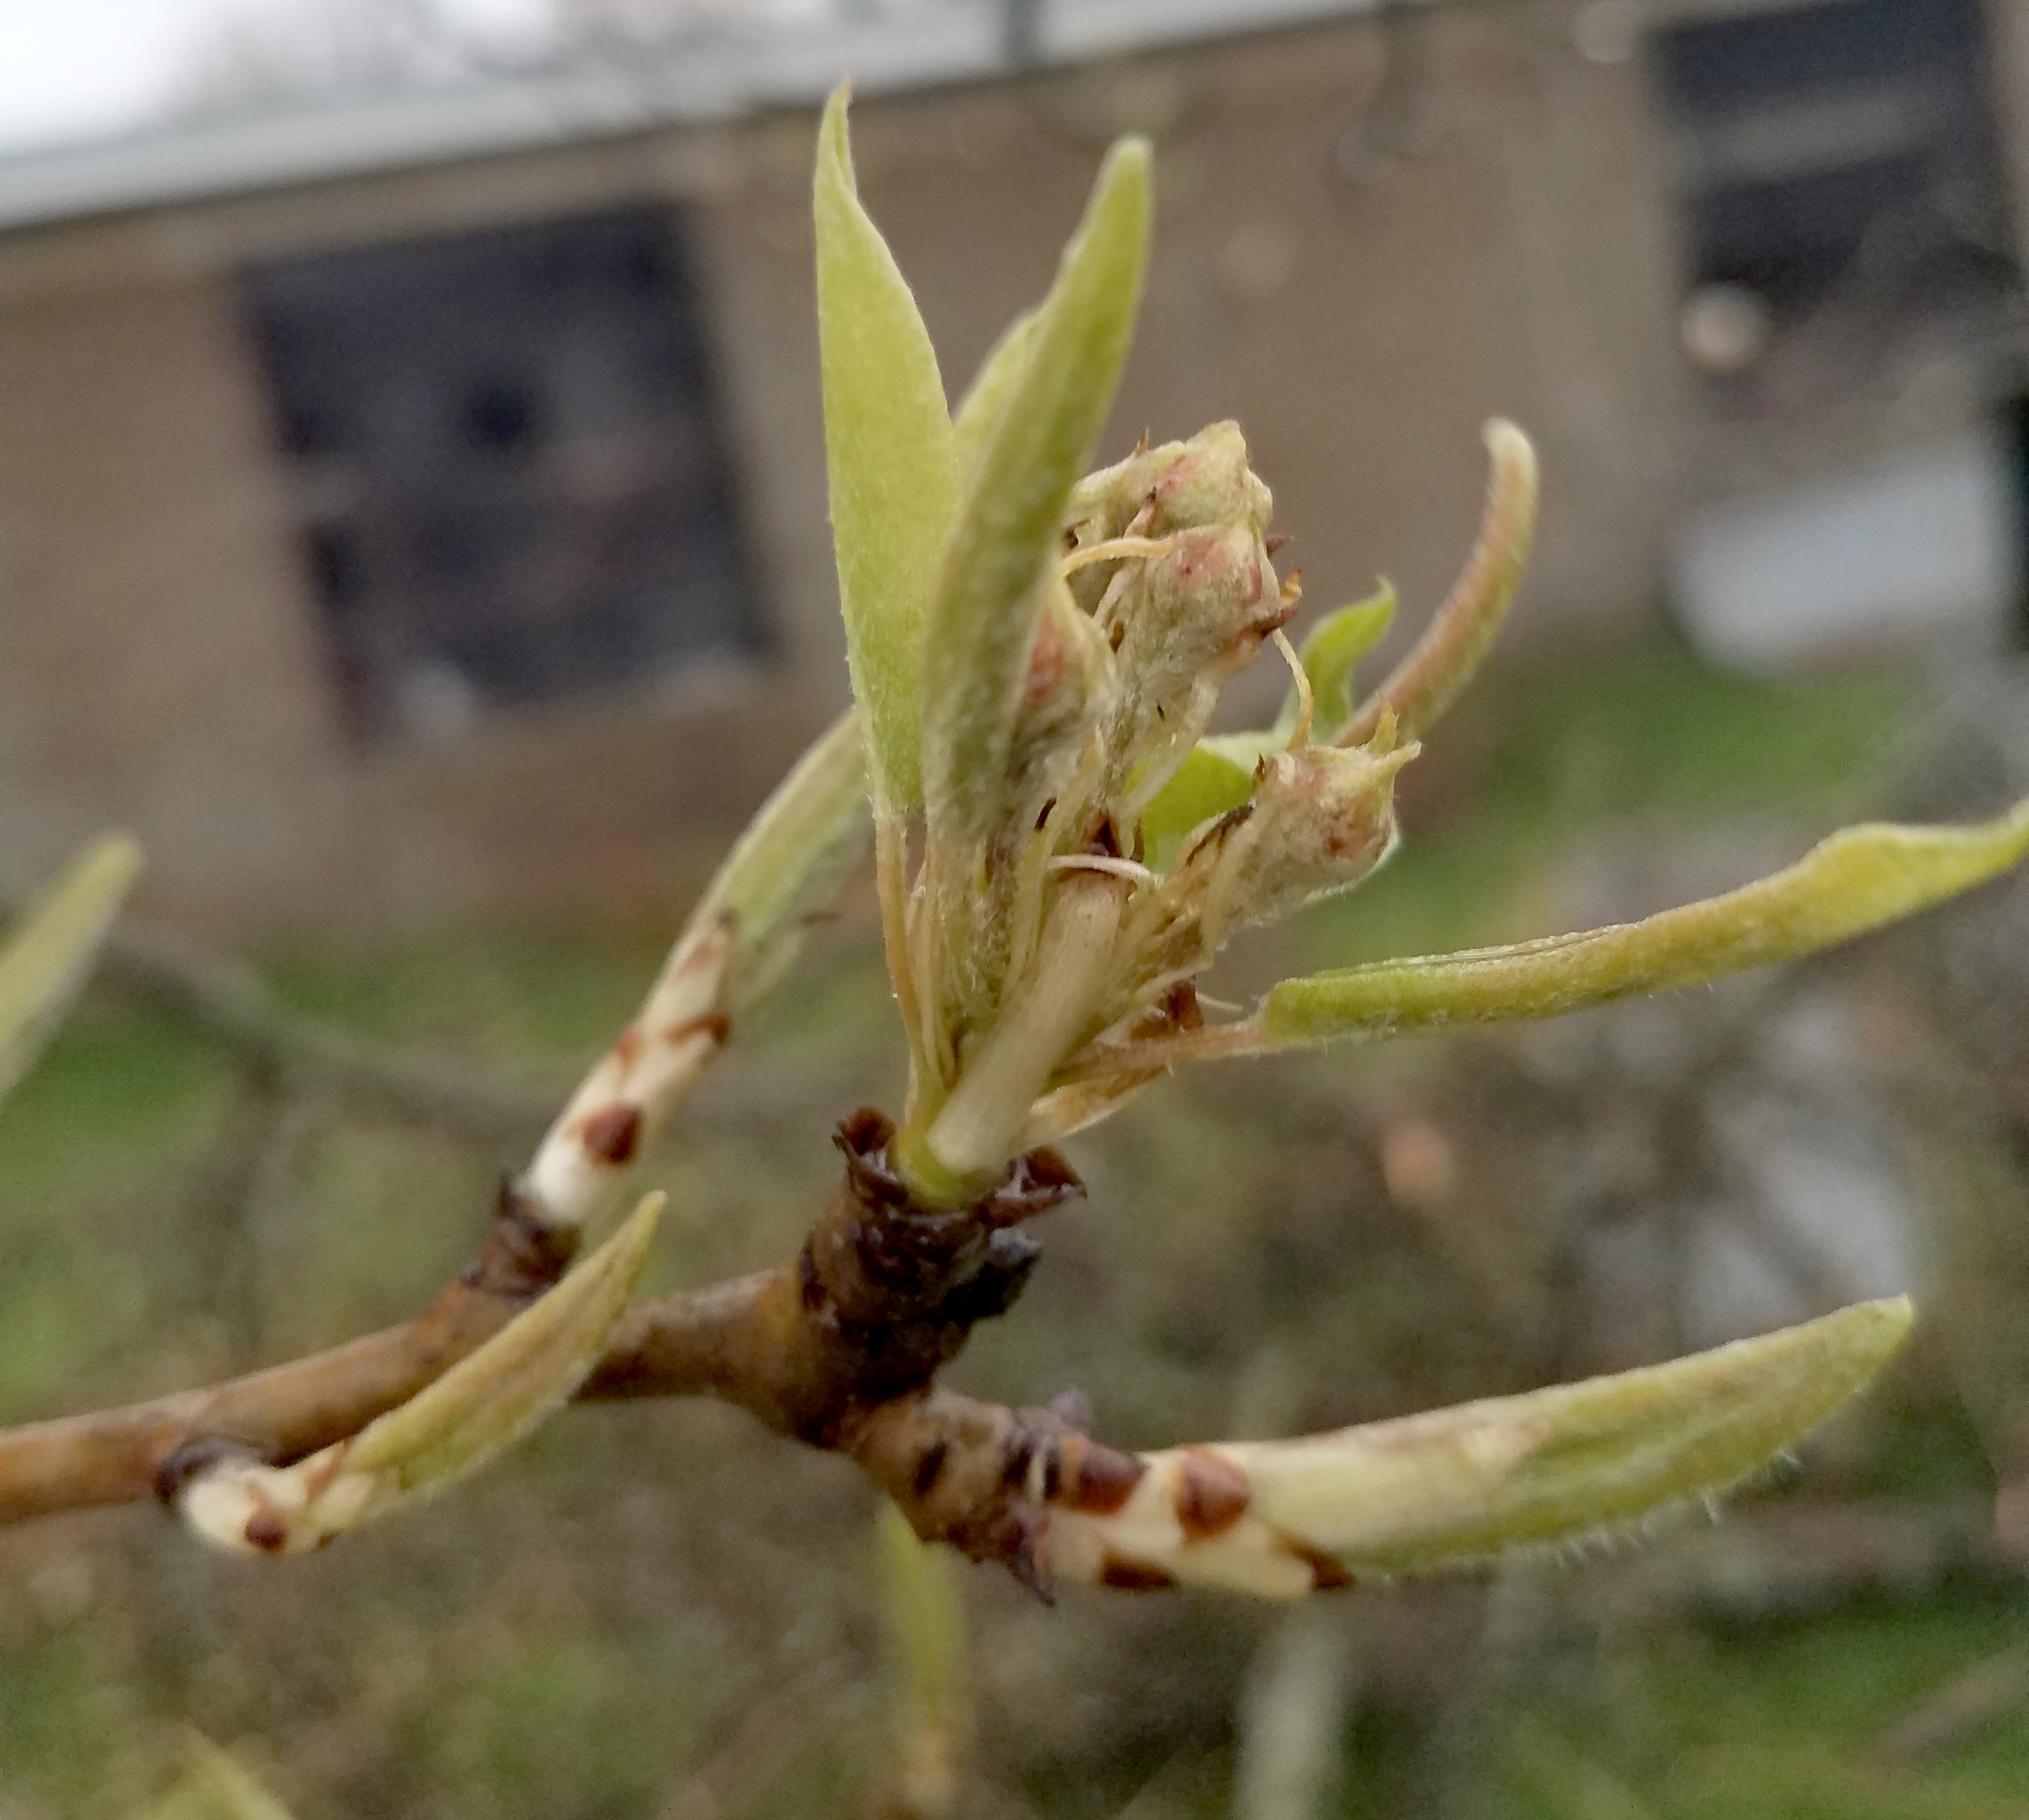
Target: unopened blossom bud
1319 820
1205 481
1068 692
1185 623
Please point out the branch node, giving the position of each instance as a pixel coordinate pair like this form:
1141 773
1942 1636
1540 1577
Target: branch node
199 1454
525 1254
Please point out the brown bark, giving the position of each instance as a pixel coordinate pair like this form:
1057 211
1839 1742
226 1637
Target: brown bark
836 1346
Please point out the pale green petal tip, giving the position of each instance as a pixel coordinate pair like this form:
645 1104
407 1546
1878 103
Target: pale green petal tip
1870 1333
832 127
1618 1448
1426 1493
116 858
1131 159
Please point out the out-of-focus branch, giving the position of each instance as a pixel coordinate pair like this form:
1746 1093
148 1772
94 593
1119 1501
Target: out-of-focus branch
880 1297
115 1456
229 1004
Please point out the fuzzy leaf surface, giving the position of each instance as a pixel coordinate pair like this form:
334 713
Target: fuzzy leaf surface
1850 882
493 1397
979 410
889 455
791 860
1460 1485
990 594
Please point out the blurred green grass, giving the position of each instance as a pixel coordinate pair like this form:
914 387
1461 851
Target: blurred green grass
663 1613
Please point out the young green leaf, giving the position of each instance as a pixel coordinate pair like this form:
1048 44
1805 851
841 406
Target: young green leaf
1426 1492
1850 882
1422 686
48 955
494 1395
888 450
1334 648
1214 778
1219 771
790 861
990 593
979 410
478 1409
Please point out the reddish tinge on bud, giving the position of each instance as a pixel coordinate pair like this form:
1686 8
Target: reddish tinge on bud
1181 620
1317 822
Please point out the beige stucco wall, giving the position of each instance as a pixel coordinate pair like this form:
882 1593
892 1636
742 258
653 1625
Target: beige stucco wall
163 669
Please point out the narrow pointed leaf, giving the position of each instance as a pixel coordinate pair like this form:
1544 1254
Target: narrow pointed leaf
1462 1485
478 1409
1334 648
1004 540
1420 688
49 955
1215 777
790 862
1853 880
979 411
492 1397
888 448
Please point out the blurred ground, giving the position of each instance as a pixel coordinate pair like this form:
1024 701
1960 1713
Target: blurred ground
662 1612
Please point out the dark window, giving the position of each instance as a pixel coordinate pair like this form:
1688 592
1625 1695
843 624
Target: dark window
513 465
1840 158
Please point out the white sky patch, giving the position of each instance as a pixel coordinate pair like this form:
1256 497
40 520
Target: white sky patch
84 70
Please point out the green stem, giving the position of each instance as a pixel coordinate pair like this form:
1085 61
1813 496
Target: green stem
966 1146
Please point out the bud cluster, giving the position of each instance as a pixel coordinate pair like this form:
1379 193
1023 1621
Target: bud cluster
1053 933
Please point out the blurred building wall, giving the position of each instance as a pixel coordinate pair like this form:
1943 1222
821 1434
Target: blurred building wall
1371 236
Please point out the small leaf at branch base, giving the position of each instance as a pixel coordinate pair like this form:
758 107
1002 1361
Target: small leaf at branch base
1460 1485
48 955
489 1400
888 450
989 596
790 861
1851 882
478 1409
